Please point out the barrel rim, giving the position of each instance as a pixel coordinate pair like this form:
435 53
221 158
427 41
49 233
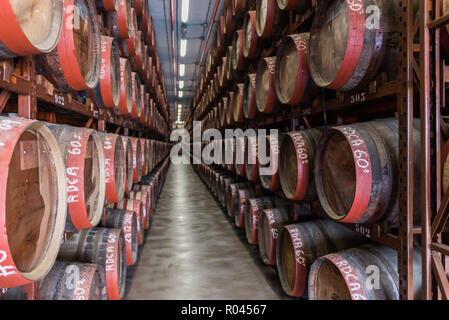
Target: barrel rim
46 261
302 77
16 40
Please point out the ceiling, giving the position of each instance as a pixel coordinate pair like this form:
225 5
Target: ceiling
195 31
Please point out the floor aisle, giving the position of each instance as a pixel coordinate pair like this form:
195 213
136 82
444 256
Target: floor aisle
193 251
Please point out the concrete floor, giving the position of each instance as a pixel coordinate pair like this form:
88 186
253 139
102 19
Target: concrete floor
193 252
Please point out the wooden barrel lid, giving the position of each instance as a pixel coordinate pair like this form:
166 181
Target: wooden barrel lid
29 26
292 68
33 200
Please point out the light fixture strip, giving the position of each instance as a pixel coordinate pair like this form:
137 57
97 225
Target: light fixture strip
183 50
185 11
182 70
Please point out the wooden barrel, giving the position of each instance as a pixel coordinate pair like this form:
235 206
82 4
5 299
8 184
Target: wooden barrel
141 60
115 166
128 151
124 18
144 197
269 163
82 151
216 82
222 176
143 103
230 109
75 63
127 222
299 245
147 196
26 292
33 200
219 77
249 96
231 196
350 51
251 43
224 81
145 17
300 6
237 57
230 153
146 56
125 104
254 211
269 19
145 156
151 185
149 76
149 38
239 7
107 5
151 151
347 275
152 44
227 66
136 110
138 208
104 247
221 37
357 172
226 182
241 205
270 224
296 164
266 97
29 27
237 110
137 159
111 25
219 178
293 84
107 92
73 281
230 23
140 6
240 153
130 44
251 159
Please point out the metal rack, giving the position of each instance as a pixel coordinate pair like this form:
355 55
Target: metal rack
35 99
430 79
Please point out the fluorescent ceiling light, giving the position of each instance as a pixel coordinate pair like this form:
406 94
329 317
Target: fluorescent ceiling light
181 94
182 70
185 11
183 47
181 84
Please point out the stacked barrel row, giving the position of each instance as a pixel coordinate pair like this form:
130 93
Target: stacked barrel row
56 181
102 50
277 55
316 258
260 65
